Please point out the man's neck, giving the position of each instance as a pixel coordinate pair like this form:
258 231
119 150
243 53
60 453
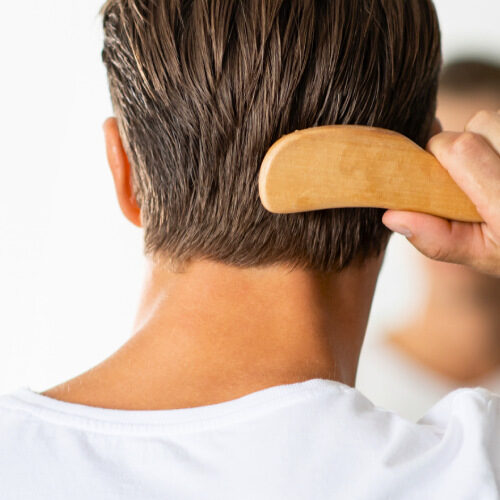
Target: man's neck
213 332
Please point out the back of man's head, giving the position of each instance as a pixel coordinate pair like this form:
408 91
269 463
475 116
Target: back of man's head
202 88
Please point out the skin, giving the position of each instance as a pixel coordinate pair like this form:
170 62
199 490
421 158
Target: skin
457 331
472 158
213 332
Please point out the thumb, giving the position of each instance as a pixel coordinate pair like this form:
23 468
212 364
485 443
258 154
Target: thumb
437 238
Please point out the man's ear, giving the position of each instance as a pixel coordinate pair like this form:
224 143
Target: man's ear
120 169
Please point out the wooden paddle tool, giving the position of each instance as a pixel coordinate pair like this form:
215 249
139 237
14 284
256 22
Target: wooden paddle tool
335 166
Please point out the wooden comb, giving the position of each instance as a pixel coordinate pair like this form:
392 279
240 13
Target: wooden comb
335 166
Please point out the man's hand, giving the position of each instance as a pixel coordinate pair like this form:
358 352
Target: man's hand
472 159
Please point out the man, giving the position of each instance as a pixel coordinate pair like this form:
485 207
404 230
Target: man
244 351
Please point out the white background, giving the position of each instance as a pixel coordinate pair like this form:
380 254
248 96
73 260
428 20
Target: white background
70 264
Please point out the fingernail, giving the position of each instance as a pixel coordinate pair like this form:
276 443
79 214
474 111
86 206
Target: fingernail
401 230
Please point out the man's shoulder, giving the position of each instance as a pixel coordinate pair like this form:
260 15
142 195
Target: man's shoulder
470 406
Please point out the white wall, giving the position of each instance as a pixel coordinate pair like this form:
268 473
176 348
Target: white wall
70 264
470 28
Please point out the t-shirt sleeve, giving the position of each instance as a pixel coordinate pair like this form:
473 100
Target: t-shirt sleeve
471 417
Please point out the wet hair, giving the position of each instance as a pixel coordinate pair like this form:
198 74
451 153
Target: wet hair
202 88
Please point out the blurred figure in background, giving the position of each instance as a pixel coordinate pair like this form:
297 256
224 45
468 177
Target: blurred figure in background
454 340
466 86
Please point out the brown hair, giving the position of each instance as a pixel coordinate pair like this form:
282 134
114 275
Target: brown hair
469 75
202 88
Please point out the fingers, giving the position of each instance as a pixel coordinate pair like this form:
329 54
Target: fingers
474 164
472 158
448 241
437 238
486 124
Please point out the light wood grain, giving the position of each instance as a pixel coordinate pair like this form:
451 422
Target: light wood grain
335 166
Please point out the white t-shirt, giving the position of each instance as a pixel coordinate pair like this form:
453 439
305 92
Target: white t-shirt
313 440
